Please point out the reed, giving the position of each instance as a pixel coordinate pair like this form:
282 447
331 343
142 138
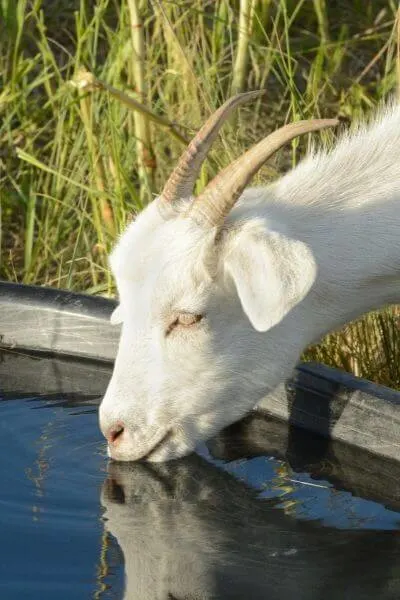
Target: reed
76 164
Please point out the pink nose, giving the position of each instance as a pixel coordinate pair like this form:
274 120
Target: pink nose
114 433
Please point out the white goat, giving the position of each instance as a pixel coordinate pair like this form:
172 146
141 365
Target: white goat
219 295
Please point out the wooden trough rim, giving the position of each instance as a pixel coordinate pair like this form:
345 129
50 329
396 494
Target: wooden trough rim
326 401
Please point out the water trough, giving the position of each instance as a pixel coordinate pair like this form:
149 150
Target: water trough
301 498
320 399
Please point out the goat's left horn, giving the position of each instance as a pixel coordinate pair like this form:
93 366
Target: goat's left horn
181 181
218 198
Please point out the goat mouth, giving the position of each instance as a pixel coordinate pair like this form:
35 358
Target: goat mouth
158 445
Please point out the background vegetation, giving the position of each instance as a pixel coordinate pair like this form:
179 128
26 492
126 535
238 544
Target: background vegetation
78 159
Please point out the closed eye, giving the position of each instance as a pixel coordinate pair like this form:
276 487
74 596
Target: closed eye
183 320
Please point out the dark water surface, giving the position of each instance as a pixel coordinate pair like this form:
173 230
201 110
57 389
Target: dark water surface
263 512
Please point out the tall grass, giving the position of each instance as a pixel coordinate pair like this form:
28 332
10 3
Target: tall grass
77 161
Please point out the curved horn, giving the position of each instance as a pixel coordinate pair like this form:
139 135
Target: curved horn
181 181
220 195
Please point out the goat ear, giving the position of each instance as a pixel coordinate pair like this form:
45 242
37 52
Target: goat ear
272 273
116 316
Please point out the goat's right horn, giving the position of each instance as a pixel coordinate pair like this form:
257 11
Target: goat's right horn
181 181
218 198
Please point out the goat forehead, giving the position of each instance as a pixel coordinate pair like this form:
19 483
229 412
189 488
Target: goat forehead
155 265
166 288
150 244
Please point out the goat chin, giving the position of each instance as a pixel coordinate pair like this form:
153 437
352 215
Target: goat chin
213 317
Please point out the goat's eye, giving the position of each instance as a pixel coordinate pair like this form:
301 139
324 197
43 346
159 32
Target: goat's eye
184 320
188 319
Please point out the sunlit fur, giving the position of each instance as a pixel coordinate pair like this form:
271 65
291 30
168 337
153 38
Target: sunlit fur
295 260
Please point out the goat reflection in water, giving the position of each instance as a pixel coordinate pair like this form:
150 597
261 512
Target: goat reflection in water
190 530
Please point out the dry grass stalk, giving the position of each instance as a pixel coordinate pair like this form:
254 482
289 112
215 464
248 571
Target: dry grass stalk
145 153
83 82
242 54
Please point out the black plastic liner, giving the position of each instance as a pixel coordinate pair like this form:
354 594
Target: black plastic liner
326 401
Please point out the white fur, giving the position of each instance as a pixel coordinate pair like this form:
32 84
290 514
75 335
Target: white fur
295 260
